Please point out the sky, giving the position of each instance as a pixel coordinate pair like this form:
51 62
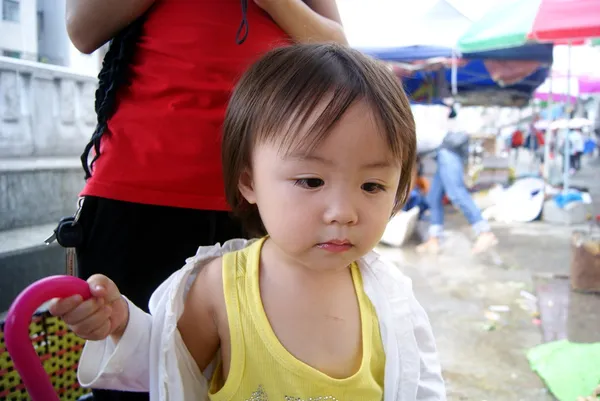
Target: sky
473 9
389 23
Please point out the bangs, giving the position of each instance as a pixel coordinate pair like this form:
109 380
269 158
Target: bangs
311 97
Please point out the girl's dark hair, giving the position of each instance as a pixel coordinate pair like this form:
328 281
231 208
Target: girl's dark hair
283 92
114 73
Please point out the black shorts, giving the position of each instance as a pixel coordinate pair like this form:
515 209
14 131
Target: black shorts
139 246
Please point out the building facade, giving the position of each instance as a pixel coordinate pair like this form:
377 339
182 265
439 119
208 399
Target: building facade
35 30
18 29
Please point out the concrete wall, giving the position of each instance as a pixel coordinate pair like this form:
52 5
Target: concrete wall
38 192
46 119
44 110
20 269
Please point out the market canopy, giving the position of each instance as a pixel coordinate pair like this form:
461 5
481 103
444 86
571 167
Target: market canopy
516 23
506 25
425 64
567 89
560 20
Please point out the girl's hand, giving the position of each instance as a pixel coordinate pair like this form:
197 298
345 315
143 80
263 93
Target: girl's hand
105 313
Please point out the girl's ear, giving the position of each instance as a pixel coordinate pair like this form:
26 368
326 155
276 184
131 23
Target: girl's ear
246 187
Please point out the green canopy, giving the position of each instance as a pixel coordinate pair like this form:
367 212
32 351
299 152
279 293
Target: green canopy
596 42
504 26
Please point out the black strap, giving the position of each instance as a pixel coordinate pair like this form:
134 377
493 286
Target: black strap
242 32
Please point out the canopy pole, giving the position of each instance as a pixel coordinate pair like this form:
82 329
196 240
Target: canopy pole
454 79
567 151
548 134
533 137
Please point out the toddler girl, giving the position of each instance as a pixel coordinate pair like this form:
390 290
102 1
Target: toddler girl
318 151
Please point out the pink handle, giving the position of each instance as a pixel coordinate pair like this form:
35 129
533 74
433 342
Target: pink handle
16 330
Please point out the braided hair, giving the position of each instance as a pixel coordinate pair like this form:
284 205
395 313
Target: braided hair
114 73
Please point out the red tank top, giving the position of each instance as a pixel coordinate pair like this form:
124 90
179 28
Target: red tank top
163 144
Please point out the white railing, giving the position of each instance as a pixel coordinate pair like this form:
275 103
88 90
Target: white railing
45 110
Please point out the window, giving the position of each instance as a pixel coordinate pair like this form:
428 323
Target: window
11 53
11 10
40 23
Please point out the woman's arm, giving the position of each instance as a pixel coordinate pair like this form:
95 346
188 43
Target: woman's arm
92 23
312 21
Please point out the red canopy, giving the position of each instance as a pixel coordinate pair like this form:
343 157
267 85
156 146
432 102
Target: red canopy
560 21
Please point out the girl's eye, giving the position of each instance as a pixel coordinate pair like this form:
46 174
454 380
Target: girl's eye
309 183
372 187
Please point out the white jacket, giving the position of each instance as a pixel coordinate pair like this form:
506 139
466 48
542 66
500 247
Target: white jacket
151 355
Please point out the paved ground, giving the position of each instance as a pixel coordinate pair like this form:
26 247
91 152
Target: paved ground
483 351
482 359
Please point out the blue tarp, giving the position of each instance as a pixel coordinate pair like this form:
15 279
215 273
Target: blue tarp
471 78
474 76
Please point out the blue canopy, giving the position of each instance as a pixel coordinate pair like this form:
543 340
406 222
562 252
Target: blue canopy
408 53
474 85
541 52
529 52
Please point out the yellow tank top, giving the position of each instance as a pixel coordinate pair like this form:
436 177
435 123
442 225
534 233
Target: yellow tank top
263 370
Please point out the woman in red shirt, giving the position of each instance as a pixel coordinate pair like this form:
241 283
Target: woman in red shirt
154 188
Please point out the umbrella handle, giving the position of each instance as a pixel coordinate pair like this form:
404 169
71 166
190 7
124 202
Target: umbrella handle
16 330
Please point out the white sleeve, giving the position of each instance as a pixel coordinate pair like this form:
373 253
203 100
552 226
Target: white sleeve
431 385
123 366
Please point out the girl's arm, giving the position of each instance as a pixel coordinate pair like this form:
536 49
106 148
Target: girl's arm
198 325
92 23
136 361
310 21
120 362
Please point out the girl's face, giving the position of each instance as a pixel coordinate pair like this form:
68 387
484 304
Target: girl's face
328 207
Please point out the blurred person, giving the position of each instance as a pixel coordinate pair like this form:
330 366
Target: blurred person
535 143
451 158
516 142
576 148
